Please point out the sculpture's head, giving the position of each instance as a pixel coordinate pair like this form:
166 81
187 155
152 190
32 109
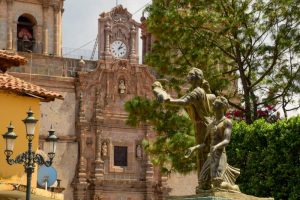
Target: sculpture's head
156 84
195 76
220 104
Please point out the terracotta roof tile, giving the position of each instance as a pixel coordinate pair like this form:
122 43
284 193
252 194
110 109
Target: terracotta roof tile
8 60
13 84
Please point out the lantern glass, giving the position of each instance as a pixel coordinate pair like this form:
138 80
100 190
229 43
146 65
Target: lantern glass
10 144
52 146
30 128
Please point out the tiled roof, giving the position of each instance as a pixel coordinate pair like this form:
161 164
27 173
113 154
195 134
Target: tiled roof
13 84
16 85
8 60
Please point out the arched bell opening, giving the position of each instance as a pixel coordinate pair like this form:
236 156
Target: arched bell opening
26 31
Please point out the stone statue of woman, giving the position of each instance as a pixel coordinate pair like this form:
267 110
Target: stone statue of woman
197 102
216 172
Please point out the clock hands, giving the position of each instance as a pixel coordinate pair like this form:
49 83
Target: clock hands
120 47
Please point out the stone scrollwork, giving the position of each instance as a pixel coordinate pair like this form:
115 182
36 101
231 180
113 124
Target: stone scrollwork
120 14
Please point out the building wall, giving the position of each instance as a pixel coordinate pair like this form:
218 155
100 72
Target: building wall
61 114
3 24
13 108
35 9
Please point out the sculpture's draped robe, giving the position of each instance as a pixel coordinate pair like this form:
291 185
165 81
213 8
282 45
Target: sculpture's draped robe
198 106
216 165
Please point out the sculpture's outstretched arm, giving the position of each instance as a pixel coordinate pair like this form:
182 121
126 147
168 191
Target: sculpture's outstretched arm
190 150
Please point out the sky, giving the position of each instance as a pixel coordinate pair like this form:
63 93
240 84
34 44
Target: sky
80 22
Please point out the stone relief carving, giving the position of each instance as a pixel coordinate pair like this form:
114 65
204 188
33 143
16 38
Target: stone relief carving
139 151
122 87
104 149
120 14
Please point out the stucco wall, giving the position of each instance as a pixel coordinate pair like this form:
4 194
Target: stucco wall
13 108
61 114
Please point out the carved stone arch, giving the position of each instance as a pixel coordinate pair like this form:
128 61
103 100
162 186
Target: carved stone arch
28 14
27 33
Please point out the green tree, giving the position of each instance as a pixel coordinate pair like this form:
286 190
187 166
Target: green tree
255 41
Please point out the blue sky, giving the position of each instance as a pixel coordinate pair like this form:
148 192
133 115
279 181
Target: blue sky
80 20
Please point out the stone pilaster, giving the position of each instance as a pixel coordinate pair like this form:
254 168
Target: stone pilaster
9 24
60 30
56 13
45 28
107 32
149 180
99 164
133 57
80 182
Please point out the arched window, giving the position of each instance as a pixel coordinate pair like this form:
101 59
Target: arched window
26 33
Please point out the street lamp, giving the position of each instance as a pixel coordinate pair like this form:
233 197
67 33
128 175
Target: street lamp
29 158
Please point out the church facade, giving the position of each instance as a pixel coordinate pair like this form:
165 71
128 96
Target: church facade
98 155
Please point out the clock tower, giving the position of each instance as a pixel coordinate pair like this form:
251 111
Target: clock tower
112 164
118 35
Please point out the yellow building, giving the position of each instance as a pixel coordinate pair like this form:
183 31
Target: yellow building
16 97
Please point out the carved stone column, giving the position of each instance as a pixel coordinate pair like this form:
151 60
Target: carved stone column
9 24
45 28
133 57
59 29
107 32
80 181
99 164
149 180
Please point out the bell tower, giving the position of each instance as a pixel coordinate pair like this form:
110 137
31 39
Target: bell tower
31 25
118 35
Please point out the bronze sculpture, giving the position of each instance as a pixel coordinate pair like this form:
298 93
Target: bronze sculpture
216 172
212 134
197 103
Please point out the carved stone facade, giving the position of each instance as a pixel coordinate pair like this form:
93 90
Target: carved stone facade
112 164
31 25
101 127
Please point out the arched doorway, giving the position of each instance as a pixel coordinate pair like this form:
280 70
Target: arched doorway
26 32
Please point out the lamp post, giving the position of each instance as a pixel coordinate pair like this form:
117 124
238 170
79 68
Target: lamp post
29 158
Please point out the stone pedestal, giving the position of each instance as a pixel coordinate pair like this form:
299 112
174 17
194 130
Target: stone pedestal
218 195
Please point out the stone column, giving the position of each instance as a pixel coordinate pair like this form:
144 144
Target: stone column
99 164
9 25
45 28
14 35
107 31
60 31
56 13
133 57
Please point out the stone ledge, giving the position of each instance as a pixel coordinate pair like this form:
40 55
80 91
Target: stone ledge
218 195
17 191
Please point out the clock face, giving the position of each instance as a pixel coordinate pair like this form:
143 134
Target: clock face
118 49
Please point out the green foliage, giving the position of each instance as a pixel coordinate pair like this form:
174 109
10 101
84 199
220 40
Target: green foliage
256 41
268 156
174 133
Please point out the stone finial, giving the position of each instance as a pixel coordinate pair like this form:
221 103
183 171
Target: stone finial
81 63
